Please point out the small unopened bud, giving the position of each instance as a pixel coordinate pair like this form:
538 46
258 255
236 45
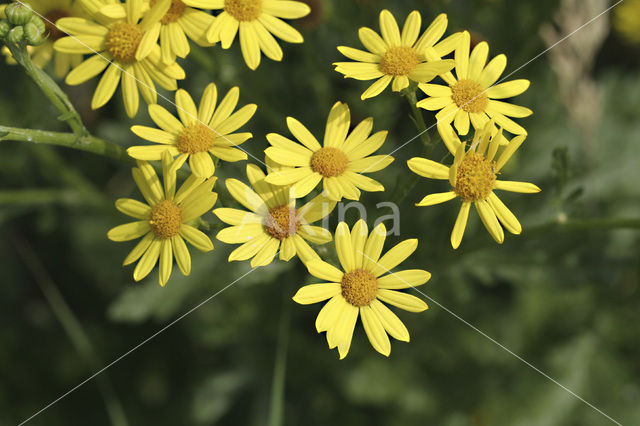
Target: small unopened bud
5 27
34 31
15 35
18 13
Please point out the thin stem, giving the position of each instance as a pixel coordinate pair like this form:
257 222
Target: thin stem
569 225
86 143
31 197
276 404
402 191
72 327
49 87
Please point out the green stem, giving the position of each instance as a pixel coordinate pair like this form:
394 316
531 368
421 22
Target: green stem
570 225
72 327
29 197
86 143
276 404
402 191
49 87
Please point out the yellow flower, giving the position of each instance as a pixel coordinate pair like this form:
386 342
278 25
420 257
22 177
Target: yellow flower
470 96
399 57
362 288
338 163
474 177
51 11
177 24
273 222
200 132
162 220
124 46
626 20
256 20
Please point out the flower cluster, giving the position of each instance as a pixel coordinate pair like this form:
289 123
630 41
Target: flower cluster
135 44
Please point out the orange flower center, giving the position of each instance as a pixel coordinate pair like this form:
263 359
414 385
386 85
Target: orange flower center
359 287
399 60
123 41
50 19
469 95
282 222
174 13
329 162
244 10
165 220
195 138
475 177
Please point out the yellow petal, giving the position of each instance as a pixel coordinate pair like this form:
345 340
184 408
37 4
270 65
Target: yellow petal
404 279
315 293
375 331
402 300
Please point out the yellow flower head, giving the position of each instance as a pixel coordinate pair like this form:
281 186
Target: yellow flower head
163 219
474 177
339 163
273 222
363 284
399 57
121 41
178 24
471 95
199 133
41 55
626 20
256 20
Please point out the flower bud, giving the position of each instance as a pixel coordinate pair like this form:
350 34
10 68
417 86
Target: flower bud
15 35
34 31
18 13
5 27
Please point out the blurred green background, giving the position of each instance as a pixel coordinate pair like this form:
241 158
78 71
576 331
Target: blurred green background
564 295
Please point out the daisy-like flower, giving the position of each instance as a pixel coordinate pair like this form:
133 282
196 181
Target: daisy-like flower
399 57
121 42
41 55
273 221
339 163
177 25
471 95
257 21
163 219
199 132
474 178
361 287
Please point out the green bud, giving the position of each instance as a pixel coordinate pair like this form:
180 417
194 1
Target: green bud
5 27
34 34
18 13
15 35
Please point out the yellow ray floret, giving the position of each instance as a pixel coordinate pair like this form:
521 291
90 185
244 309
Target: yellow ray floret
470 96
163 221
399 56
273 222
359 289
123 43
257 22
339 162
199 133
474 178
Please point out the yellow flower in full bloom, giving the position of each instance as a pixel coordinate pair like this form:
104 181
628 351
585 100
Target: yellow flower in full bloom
474 178
399 57
199 133
163 219
257 21
180 23
471 95
360 288
273 222
41 55
339 163
122 45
